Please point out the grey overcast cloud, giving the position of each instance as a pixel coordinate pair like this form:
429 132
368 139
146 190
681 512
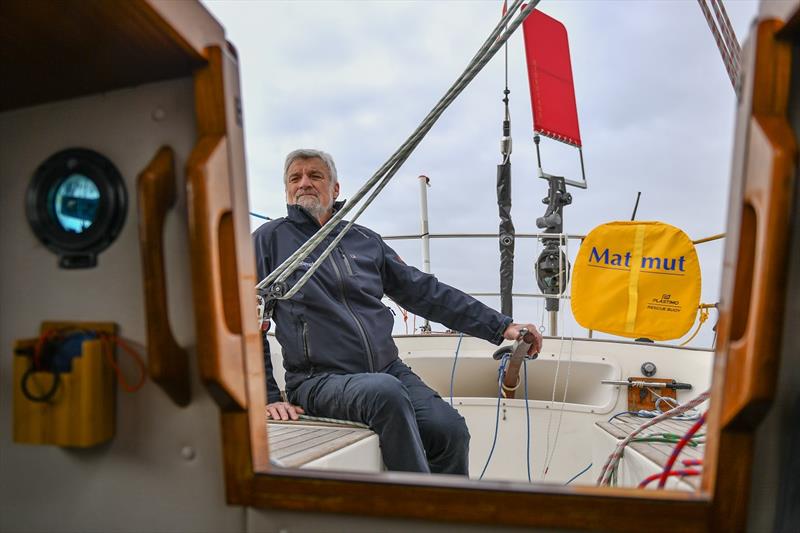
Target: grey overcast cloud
355 78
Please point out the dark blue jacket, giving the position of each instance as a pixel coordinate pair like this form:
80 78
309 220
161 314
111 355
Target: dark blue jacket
337 323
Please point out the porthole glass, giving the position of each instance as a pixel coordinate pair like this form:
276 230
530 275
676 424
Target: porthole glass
75 203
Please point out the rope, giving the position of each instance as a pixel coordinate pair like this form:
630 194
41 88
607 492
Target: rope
727 32
723 50
579 474
501 373
123 382
682 473
709 239
381 178
703 318
677 450
527 416
549 460
453 372
609 469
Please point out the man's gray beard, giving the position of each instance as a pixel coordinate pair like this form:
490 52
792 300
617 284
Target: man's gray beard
313 206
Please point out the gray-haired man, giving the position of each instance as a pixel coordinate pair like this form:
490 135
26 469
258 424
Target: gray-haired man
336 334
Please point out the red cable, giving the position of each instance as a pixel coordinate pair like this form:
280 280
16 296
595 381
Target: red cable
37 350
682 473
680 446
692 462
134 355
108 338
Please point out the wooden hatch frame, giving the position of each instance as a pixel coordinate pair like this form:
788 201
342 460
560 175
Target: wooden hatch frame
746 360
229 344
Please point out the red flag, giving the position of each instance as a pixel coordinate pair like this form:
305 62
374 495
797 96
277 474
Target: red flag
555 113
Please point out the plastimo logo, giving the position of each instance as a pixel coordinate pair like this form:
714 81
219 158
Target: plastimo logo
608 259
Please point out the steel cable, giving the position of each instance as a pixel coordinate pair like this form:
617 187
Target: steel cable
496 39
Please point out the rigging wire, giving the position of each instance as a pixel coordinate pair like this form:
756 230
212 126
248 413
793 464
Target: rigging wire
453 372
380 179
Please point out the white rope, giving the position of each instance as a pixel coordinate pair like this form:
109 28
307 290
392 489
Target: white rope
613 460
550 414
563 403
727 59
384 174
727 29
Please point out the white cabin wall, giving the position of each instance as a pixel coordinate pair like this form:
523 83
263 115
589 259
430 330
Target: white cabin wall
140 481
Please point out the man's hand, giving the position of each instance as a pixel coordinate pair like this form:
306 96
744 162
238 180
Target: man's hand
533 337
284 411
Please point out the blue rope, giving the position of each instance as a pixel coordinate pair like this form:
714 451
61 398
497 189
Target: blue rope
501 371
453 373
527 413
259 216
579 474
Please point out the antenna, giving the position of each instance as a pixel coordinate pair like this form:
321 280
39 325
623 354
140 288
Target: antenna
636 207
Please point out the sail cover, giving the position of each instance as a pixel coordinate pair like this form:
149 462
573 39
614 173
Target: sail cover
555 113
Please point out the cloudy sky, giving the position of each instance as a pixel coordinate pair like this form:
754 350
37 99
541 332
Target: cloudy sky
355 78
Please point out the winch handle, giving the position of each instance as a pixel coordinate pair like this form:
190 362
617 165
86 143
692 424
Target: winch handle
519 353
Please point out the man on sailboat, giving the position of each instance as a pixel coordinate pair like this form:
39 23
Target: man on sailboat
336 334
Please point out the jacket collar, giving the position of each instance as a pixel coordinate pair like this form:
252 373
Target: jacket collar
299 214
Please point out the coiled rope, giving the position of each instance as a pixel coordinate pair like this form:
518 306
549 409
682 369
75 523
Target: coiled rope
610 468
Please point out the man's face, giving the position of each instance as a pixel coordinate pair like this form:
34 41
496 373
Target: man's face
308 184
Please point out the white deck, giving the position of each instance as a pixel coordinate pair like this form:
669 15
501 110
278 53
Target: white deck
562 432
320 445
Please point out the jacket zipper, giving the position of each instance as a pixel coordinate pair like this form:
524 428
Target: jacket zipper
307 349
361 331
346 262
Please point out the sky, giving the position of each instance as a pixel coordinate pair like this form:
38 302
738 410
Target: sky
355 78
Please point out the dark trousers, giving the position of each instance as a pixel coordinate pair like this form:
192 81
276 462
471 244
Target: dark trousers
418 431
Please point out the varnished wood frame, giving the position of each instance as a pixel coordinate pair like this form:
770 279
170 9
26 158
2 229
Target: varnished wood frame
720 505
167 361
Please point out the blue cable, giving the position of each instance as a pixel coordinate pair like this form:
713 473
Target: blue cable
500 375
453 373
527 414
259 216
579 474
634 413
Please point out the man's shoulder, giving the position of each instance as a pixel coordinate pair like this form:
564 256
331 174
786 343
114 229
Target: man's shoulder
365 232
267 230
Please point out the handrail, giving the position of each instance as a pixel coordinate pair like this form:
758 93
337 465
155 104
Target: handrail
167 362
480 236
522 295
221 350
574 236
